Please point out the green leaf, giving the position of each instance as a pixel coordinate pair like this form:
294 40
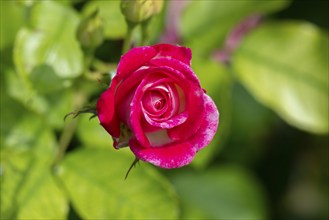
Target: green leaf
11 19
10 115
28 191
92 134
48 97
50 40
95 182
21 135
41 198
222 193
61 103
285 66
217 18
20 89
114 22
45 80
216 80
252 125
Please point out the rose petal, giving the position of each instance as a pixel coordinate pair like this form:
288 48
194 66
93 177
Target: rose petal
106 112
123 108
170 96
170 123
177 65
171 156
209 125
136 104
134 59
195 107
158 138
183 54
136 115
131 83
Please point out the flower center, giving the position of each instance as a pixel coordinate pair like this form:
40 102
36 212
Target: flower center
159 104
154 101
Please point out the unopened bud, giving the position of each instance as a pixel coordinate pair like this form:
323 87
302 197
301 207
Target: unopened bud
90 31
137 11
158 5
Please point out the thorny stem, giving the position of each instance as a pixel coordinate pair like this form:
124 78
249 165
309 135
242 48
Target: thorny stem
68 132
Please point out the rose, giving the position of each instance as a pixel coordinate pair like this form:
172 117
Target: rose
155 104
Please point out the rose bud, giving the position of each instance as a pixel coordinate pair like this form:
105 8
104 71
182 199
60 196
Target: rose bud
156 105
158 5
90 31
137 11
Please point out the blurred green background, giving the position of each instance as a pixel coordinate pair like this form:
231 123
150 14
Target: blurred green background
268 160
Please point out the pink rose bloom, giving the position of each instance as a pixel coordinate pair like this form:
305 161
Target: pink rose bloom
155 104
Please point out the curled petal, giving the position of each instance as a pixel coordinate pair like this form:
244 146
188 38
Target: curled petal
209 125
134 59
195 106
170 156
130 83
135 120
170 123
106 111
180 53
178 66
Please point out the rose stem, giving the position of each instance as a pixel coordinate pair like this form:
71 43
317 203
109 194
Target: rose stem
68 131
127 40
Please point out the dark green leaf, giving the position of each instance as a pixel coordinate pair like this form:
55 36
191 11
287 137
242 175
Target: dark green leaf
222 193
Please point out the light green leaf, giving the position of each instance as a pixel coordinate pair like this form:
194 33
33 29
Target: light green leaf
11 19
62 103
216 18
45 80
92 134
50 40
41 198
49 97
114 22
11 113
285 66
20 89
94 179
30 133
222 193
216 80
28 190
